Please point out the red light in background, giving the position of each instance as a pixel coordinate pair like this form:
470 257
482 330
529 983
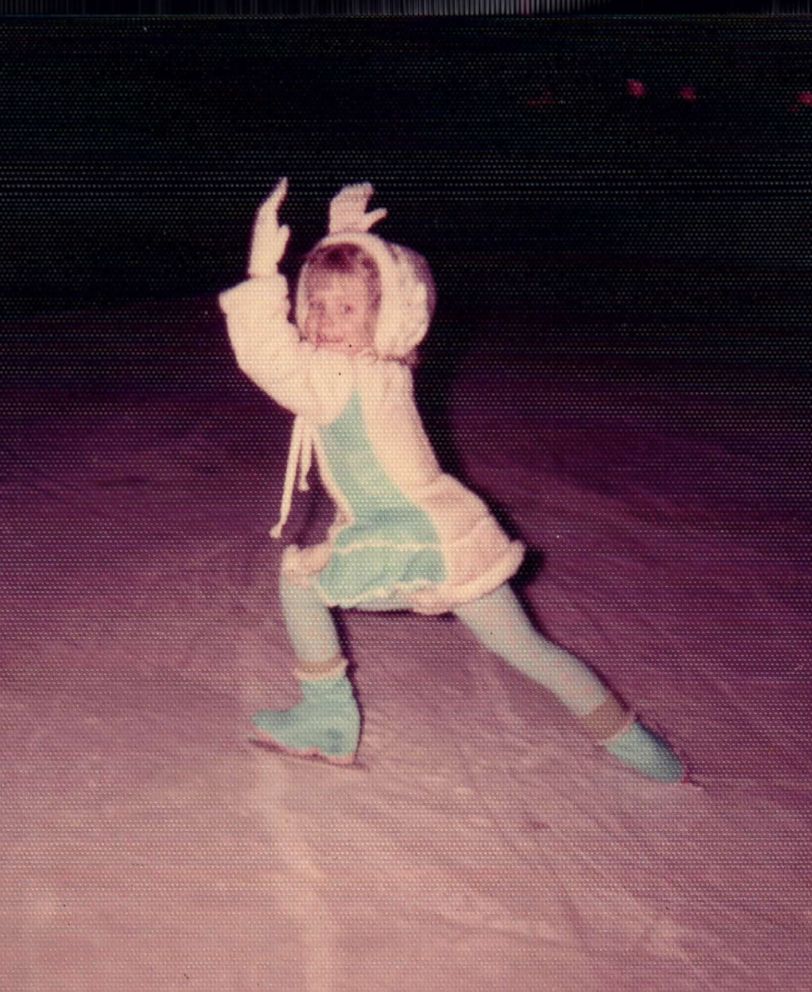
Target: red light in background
544 99
803 99
637 90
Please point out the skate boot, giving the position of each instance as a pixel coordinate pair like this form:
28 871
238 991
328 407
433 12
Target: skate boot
642 750
628 740
325 724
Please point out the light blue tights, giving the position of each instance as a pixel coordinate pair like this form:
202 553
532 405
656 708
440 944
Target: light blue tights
497 620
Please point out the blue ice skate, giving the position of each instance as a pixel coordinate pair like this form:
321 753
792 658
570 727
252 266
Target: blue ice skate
326 724
641 750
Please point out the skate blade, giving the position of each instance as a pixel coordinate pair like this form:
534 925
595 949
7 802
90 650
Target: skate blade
312 754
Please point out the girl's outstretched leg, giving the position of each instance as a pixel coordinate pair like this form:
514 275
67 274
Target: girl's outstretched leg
326 723
500 623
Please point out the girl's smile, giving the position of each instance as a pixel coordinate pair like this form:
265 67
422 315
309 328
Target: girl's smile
339 314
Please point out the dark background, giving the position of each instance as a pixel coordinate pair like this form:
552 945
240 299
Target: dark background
136 150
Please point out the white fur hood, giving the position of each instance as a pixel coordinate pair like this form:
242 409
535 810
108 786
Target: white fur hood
408 294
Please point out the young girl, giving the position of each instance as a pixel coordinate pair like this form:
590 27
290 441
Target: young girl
406 536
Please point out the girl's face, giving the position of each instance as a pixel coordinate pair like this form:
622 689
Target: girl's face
340 316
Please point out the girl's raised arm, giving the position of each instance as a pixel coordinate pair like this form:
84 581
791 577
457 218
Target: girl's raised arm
269 239
266 344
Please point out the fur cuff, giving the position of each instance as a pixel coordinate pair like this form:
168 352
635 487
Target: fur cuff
608 720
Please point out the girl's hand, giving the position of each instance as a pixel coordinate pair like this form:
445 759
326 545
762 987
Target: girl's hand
269 240
347 210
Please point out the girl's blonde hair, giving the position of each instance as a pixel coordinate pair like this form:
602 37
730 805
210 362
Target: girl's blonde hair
348 259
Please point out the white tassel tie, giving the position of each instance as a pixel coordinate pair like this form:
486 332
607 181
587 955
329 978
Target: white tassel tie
300 455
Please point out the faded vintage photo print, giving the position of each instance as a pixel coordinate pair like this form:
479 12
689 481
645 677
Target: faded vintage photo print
405 485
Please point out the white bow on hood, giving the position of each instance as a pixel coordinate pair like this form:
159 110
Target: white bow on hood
406 307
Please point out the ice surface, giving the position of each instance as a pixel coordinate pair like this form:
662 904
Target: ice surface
482 843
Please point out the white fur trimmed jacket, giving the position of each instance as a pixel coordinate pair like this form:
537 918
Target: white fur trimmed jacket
403 527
